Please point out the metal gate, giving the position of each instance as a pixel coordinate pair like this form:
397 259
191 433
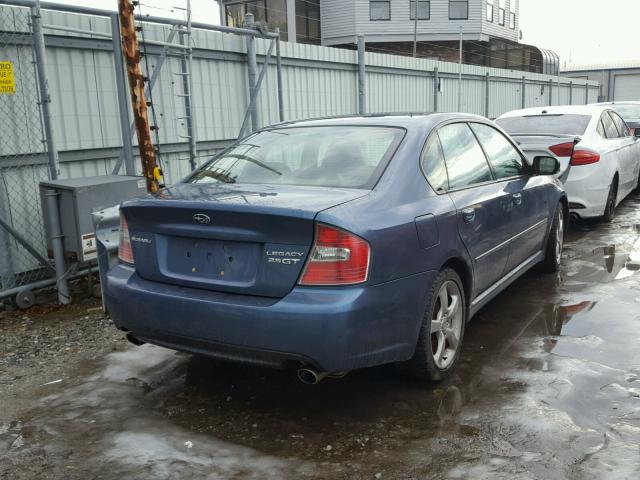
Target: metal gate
23 153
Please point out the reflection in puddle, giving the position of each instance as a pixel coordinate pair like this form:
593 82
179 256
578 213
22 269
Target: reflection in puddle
606 264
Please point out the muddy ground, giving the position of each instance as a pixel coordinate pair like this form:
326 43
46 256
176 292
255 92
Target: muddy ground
548 387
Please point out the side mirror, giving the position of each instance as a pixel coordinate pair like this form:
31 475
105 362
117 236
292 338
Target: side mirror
546 165
636 132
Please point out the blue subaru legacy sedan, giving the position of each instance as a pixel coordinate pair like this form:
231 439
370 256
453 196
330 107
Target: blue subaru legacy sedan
336 244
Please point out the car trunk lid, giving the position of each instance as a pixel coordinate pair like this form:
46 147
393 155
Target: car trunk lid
540 145
243 239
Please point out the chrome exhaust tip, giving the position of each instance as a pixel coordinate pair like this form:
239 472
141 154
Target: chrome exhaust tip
310 376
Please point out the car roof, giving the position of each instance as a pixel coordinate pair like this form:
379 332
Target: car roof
629 102
590 110
403 120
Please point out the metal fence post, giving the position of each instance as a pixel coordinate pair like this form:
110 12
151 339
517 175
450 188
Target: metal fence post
7 266
252 72
571 92
362 76
52 154
279 78
43 83
586 92
523 87
122 88
550 91
57 245
487 94
436 89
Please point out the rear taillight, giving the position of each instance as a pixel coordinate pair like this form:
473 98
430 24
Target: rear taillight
124 249
562 150
337 258
584 157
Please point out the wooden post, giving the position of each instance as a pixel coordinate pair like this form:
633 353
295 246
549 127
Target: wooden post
131 51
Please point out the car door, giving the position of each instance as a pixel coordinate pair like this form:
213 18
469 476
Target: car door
614 151
627 155
528 194
483 206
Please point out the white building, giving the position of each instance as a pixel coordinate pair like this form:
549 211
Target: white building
489 28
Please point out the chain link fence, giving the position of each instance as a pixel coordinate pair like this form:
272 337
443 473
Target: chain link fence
23 159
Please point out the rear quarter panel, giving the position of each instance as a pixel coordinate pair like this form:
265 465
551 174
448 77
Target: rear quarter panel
387 217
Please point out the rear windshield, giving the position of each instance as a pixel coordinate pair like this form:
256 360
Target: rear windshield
545 124
345 156
630 113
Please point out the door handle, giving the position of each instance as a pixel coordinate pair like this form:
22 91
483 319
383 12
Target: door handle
469 215
517 198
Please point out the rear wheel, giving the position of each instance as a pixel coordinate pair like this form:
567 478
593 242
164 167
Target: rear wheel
610 207
555 243
442 330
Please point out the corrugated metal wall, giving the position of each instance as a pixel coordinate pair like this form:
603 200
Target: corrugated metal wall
318 81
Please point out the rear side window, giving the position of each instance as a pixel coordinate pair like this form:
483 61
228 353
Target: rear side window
620 125
332 156
433 165
601 130
503 157
609 127
545 124
628 112
465 161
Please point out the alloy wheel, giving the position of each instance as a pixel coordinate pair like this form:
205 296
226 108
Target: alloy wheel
446 324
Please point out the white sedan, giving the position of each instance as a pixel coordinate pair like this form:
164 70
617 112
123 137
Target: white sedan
600 157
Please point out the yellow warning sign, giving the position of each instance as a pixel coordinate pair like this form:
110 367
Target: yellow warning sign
7 80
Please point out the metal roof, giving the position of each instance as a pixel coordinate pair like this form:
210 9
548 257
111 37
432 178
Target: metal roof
601 66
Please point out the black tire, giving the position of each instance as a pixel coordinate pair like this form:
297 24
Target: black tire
610 207
423 365
555 242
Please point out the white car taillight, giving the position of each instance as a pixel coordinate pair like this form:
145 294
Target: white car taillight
337 258
584 157
563 149
125 254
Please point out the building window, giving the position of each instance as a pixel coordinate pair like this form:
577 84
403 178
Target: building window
458 9
308 21
424 9
236 11
379 9
512 14
269 13
490 11
501 12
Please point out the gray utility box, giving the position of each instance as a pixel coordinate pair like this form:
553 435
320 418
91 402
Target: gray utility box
78 198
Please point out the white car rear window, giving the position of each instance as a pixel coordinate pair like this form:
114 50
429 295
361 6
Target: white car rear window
548 124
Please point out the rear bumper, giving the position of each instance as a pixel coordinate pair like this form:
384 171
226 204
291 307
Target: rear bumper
333 329
588 188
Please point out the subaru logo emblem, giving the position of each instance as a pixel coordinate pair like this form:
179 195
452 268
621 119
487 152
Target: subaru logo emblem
202 219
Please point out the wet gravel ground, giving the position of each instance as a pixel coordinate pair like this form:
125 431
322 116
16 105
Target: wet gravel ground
548 387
